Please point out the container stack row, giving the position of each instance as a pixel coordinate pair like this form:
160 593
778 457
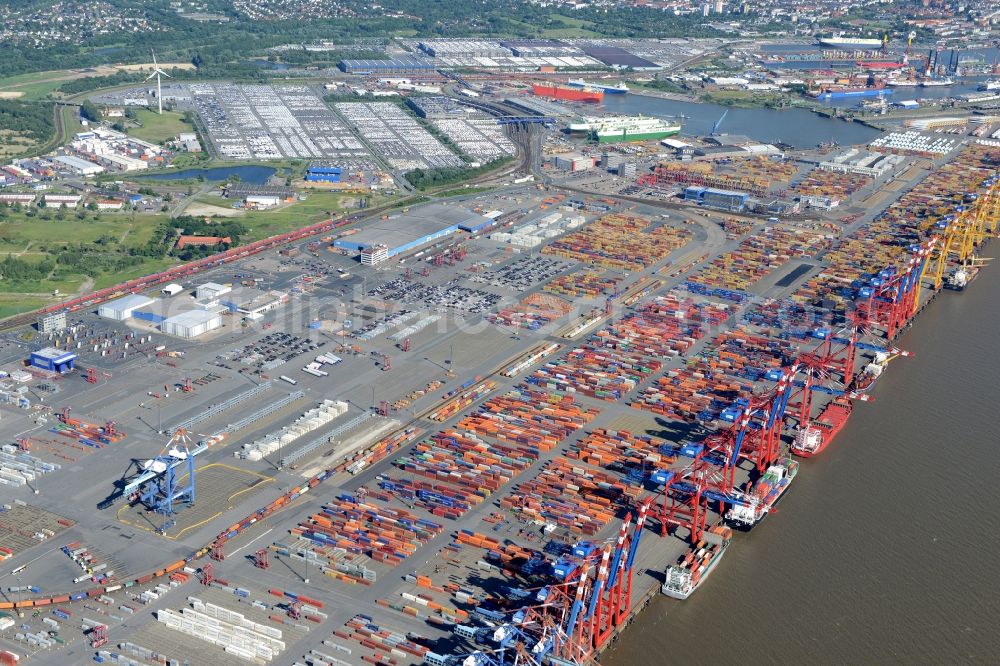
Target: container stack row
583 284
380 532
622 242
568 495
757 256
635 456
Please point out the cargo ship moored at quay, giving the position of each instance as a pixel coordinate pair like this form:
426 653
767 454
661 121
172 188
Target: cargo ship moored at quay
612 89
567 93
638 128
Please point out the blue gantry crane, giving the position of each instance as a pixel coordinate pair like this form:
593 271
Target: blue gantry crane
173 480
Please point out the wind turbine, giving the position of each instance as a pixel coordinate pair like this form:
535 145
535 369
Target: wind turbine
157 72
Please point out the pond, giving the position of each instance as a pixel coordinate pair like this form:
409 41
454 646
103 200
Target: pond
255 175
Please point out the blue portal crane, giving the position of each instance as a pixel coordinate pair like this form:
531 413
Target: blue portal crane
174 480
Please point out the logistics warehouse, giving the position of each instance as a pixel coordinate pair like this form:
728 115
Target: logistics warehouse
410 231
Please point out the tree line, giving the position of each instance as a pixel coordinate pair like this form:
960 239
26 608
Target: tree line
33 119
423 179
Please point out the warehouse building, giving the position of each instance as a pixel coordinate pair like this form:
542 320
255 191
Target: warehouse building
123 308
324 174
259 201
191 324
246 190
397 65
78 166
210 291
863 162
118 162
172 289
480 48
52 359
721 199
436 107
407 232
253 303
574 162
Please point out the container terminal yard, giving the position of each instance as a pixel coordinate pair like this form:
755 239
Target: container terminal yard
483 431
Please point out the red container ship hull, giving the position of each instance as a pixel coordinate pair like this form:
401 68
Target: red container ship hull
828 425
571 94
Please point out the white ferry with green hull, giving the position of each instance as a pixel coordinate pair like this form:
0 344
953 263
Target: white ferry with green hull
637 128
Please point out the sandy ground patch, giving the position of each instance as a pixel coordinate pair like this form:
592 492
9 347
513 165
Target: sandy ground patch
149 66
10 94
208 209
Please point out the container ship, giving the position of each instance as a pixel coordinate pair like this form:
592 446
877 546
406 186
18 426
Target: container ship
818 434
841 42
617 89
866 378
691 570
960 278
569 94
764 495
633 128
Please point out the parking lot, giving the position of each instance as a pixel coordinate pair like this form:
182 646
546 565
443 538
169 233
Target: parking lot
397 136
271 122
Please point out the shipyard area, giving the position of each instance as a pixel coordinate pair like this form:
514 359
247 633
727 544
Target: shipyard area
481 423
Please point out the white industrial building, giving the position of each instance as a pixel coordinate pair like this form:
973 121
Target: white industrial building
172 289
122 308
78 166
253 303
257 201
819 202
191 324
866 163
68 200
211 291
122 162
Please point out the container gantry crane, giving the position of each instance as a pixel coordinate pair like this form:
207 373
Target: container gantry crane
891 297
754 435
174 482
578 616
962 233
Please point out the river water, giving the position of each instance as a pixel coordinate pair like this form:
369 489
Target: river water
885 549
254 175
796 127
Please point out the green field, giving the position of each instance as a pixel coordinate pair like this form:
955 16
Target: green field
12 304
317 207
459 191
17 230
159 129
34 239
35 85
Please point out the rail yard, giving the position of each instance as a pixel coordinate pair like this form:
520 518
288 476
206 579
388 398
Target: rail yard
484 429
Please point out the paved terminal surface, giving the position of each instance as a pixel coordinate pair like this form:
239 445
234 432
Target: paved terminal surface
143 389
